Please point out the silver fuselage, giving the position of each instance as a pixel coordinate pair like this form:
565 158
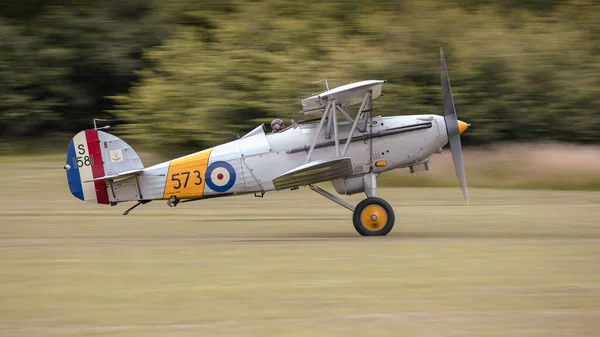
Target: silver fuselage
258 158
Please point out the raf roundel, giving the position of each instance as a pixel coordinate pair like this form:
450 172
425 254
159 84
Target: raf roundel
220 176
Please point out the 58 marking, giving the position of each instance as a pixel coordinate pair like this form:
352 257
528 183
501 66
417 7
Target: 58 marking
83 159
177 177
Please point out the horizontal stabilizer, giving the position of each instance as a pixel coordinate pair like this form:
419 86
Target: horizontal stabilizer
122 175
315 172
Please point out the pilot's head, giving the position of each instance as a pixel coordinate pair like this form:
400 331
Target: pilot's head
277 125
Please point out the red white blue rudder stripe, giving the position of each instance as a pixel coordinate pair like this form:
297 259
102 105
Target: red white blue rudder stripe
84 163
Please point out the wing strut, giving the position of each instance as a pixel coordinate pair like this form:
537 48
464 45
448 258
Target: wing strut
336 139
329 117
366 100
319 127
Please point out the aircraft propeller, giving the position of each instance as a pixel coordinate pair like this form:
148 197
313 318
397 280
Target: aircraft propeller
454 128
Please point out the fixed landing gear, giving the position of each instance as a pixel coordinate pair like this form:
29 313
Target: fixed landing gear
373 217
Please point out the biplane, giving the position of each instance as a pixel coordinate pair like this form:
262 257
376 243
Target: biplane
350 151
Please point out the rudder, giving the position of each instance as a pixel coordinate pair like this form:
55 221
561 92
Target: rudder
94 154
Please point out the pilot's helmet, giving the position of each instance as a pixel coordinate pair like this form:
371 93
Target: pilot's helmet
277 125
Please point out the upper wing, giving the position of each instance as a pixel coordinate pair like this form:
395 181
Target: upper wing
315 172
344 95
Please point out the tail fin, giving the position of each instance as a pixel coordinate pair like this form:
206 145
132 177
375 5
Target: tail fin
95 154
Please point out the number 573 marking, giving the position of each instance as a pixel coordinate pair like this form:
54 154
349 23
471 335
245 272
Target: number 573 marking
177 177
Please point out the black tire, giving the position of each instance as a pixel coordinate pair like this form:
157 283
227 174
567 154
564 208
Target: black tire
375 225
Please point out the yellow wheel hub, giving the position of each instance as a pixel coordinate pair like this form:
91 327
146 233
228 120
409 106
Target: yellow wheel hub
373 217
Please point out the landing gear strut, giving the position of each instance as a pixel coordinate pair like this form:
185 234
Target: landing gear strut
373 217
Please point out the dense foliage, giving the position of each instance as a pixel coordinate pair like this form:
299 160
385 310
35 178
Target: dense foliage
520 70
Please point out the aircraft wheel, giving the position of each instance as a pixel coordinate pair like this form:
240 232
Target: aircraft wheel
373 217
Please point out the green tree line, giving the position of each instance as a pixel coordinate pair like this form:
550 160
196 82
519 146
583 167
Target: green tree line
167 70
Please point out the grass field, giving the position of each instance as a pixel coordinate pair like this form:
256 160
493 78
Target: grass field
514 263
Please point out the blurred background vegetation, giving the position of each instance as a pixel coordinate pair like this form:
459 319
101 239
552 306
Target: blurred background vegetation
166 70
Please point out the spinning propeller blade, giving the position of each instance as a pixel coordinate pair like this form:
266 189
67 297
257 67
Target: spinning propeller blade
454 128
